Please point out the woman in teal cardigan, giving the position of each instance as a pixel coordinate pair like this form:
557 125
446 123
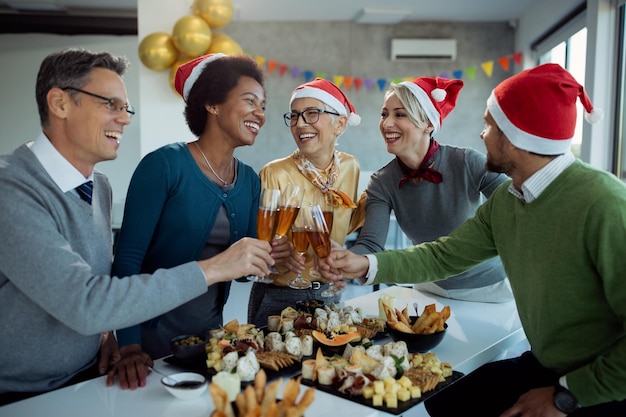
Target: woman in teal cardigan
189 201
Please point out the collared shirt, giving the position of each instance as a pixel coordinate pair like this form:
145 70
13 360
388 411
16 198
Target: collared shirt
64 174
539 181
531 189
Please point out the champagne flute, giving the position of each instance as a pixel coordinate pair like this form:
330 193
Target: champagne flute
319 238
290 202
267 214
327 211
300 243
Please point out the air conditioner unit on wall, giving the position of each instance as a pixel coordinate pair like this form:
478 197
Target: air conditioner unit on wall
423 49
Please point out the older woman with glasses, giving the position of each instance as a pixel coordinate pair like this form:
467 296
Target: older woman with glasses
320 112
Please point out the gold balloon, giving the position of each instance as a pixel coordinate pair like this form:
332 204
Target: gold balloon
191 35
224 44
181 60
217 13
157 51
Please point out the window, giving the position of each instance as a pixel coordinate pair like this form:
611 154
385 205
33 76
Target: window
571 54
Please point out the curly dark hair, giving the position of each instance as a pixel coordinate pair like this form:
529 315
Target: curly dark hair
72 68
217 79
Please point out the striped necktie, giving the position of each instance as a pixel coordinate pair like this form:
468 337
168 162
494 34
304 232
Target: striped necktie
85 191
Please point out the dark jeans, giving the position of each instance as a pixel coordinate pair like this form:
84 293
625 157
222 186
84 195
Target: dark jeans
496 386
11 397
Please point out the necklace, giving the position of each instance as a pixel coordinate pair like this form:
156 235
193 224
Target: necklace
209 164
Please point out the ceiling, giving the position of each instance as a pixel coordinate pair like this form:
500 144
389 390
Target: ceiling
119 16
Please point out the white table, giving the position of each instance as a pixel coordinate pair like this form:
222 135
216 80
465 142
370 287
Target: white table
477 333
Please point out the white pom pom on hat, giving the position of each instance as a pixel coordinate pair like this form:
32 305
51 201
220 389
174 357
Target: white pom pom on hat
328 93
536 109
436 95
187 74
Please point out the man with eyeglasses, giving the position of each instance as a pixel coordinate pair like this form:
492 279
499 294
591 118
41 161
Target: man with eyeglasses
57 298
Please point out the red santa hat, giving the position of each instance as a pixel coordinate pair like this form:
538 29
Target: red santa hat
436 95
328 93
188 73
536 109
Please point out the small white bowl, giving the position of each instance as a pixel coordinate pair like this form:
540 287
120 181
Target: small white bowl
185 385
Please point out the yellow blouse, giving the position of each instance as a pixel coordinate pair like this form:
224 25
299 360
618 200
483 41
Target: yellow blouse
280 172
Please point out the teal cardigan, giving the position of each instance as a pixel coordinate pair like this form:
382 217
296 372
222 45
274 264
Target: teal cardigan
170 210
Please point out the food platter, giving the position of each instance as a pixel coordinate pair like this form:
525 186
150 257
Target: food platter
199 366
402 406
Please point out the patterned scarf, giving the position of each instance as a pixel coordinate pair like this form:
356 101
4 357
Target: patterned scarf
425 169
306 167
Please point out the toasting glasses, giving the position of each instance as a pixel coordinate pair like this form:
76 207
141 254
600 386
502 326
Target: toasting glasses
319 239
300 243
290 201
327 211
267 216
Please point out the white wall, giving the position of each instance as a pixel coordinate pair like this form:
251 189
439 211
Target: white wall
330 47
21 56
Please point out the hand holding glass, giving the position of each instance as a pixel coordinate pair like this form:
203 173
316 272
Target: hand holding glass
267 215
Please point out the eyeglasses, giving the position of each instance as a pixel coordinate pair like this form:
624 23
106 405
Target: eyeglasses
114 105
309 116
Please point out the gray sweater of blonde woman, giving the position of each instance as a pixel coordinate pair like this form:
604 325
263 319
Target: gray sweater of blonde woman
426 211
56 295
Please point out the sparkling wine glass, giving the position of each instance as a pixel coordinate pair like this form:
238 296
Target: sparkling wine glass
319 238
300 243
267 216
290 202
327 211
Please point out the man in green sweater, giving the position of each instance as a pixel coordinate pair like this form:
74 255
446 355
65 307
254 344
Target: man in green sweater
559 227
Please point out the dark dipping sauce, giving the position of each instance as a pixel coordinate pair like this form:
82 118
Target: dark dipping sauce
187 384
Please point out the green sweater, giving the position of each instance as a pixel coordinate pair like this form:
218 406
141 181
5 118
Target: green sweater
564 256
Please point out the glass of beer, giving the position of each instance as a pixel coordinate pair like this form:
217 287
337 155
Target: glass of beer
267 216
300 243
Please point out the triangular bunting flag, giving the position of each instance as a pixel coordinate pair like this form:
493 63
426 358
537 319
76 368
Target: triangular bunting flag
347 82
295 71
260 60
458 74
504 63
282 69
369 83
337 80
517 57
488 68
444 75
381 83
271 65
471 72
308 76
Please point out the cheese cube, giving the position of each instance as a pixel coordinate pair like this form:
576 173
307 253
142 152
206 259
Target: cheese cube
416 392
404 395
391 400
405 382
379 387
389 381
377 400
368 392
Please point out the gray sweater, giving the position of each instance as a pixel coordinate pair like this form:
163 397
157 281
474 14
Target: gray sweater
426 211
56 294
